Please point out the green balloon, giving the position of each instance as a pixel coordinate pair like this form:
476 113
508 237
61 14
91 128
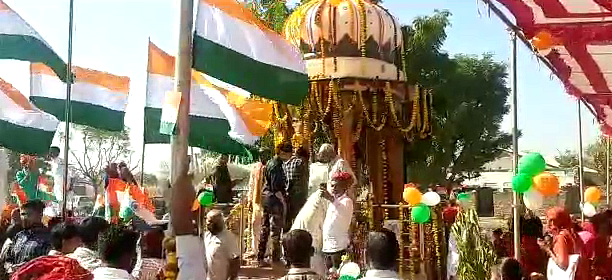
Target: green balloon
126 213
521 182
463 196
206 198
532 164
420 214
346 277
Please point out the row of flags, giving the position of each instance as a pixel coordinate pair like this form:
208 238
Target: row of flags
235 57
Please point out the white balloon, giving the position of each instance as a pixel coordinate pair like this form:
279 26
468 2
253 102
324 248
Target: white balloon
533 199
431 198
350 269
589 209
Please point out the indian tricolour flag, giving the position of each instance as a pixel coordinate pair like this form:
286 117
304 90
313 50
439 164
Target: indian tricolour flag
18 40
23 127
222 117
233 46
98 99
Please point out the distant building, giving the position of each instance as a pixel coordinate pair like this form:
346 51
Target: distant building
498 173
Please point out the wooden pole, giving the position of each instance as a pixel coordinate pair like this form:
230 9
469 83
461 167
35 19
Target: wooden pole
179 144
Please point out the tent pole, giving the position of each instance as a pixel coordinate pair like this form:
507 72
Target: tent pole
580 159
515 155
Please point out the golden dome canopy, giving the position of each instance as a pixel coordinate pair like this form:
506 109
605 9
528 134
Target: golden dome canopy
347 38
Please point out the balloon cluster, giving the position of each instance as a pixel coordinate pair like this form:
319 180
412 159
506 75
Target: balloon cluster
420 203
206 198
592 195
533 182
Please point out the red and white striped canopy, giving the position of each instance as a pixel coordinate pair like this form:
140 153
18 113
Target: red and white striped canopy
582 53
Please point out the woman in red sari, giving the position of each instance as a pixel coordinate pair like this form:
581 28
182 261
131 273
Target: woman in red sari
565 243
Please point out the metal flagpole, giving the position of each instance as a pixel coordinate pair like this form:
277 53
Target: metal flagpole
179 143
67 106
580 159
515 155
142 158
608 171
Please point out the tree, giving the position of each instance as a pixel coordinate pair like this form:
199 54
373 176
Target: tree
469 103
97 149
595 157
567 159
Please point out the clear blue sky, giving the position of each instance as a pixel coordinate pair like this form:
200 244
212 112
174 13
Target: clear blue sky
111 35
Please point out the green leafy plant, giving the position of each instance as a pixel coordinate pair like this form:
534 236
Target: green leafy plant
476 253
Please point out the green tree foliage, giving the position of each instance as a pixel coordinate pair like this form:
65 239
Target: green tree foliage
595 157
567 159
469 103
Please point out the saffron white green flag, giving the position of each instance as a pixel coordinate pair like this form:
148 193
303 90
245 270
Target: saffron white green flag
23 127
18 40
98 99
232 45
222 117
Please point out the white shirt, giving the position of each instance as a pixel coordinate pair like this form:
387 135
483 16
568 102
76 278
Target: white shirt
190 254
86 257
220 249
452 260
381 274
318 174
311 217
109 273
336 225
57 170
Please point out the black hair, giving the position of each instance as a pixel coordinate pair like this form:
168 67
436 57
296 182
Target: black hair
498 231
53 222
302 152
510 269
12 231
34 205
296 244
89 230
532 226
383 250
54 149
285 147
63 231
116 242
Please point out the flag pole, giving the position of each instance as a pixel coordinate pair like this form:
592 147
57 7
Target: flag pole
142 158
515 155
580 160
179 142
67 106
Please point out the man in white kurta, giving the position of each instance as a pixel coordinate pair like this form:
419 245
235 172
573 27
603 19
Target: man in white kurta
57 171
310 218
337 221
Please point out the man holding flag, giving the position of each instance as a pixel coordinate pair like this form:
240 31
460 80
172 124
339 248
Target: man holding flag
28 179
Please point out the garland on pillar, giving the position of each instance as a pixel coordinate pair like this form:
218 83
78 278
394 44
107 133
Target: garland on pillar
436 240
385 176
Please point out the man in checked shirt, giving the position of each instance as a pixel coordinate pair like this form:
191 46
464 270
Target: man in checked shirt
296 171
32 242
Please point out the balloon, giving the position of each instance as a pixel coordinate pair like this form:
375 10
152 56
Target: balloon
592 195
412 196
532 164
521 182
543 40
546 183
346 277
420 214
533 199
463 196
350 269
126 213
335 2
206 198
431 198
589 210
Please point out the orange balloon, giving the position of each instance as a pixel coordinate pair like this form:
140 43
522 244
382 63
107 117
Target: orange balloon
592 194
546 183
543 40
335 2
412 196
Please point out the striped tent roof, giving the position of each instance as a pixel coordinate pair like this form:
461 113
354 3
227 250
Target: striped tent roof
582 51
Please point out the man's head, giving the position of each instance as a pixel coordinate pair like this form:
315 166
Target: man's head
297 245
264 155
54 152
32 213
326 153
117 247
89 230
112 171
151 243
510 269
340 182
383 250
16 217
65 237
223 159
302 153
214 221
284 150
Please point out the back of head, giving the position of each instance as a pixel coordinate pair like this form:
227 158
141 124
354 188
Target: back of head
510 269
298 247
89 230
117 247
32 212
383 250
303 153
63 231
284 147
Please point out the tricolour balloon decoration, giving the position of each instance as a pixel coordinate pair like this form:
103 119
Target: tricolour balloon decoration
533 181
592 195
420 203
